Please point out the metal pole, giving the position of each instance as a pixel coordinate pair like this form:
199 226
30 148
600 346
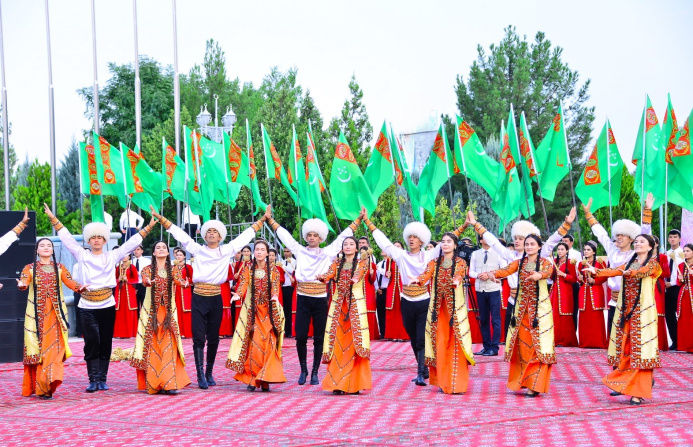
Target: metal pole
5 121
138 93
51 116
317 163
96 77
176 93
666 203
608 173
642 161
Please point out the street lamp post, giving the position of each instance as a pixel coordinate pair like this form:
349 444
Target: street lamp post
216 132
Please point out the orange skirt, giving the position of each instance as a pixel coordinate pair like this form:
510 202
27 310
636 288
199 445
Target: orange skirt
165 370
627 380
45 377
263 363
346 371
526 371
451 372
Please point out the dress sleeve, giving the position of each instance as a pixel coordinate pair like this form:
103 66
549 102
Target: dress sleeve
362 269
66 279
132 275
25 276
147 273
395 253
332 271
128 247
185 240
276 285
507 270
499 248
664 264
289 241
546 269
178 275
603 237
460 270
652 268
239 242
610 272
71 244
426 276
7 240
335 247
571 274
243 276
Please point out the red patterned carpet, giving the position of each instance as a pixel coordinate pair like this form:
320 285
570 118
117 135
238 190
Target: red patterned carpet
578 410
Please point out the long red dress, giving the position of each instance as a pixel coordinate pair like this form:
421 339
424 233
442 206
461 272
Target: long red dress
562 303
505 294
369 289
473 311
227 321
234 275
592 303
685 310
184 300
394 328
126 301
659 300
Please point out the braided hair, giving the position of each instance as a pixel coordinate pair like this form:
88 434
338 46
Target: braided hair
353 270
439 260
57 282
537 239
168 297
253 300
626 317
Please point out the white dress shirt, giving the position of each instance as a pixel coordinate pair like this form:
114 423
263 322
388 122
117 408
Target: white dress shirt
410 265
140 263
108 220
311 262
211 266
677 257
477 265
289 266
574 255
97 271
382 281
188 217
7 240
130 219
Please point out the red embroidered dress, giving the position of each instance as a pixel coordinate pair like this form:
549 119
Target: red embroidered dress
660 291
685 308
562 304
394 328
591 306
126 301
184 299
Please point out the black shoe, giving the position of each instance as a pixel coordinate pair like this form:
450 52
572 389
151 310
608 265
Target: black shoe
482 352
199 359
169 392
93 373
103 374
338 392
316 367
490 353
211 356
251 388
614 393
304 374
265 388
421 359
93 387
672 347
636 402
533 394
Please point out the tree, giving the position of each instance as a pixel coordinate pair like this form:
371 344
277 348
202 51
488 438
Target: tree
35 193
68 178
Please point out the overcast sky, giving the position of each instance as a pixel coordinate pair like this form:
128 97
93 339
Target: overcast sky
405 54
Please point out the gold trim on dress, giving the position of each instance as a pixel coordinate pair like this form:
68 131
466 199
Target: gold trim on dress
311 288
206 289
98 295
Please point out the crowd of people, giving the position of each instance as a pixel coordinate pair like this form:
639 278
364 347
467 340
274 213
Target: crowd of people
529 294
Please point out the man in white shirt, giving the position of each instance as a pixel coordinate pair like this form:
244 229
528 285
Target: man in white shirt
488 296
97 304
671 296
211 270
289 265
311 294
108 220
130 223
191 222
140 262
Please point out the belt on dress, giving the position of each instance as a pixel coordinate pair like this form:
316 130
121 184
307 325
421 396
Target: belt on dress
97 295
206 289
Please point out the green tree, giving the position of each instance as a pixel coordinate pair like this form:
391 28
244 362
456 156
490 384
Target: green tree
35 193
68 179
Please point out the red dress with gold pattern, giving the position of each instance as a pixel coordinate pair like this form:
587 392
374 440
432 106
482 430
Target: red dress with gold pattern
394 328
126 301
562 303
685 308
591 306
369 289
660 291
184 300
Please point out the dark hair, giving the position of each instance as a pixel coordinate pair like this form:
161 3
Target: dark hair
168 298
626 317
353 270
569 237
434 243
689 246
434 316
401 245
502 241
140 246
253 302
591 245
364 238
58 290
179 249
248 247
564 245
272 250
535 322
674 232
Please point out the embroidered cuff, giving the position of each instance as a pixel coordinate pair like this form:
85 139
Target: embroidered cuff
460 230
56 224
564 229
590 219
21 226
480 230
144 232
273 223
165 222
368 222
647 216
257 225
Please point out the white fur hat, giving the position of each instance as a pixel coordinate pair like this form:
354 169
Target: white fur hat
625 227
314 226
96 229
419 230
214 224
524 228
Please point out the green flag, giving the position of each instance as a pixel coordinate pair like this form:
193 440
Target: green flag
471 155
142 184
681 156
379 172
89 183
200 194
602 172
649 159
522 155
215 164
249 161
437 171
173 172
315 185
109 165
297 170
678 190
402 176
347 185
552 157
273 164
509 198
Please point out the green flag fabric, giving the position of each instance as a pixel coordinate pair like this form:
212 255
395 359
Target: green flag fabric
681 156
142 184
379 172
315 185
297 168
602 172
200 188
249 161
509 197
347 185
527 171
436 172
89 180
402 175
274 166
552 157
678 191
109 165
652 170
476 164
173 173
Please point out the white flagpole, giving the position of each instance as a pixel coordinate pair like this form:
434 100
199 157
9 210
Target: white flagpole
176 93
51 116
538 174
138 92
570 170
642 160
608 172
5 121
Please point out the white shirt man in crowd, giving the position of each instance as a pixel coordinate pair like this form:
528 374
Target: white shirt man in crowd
130 223
488 296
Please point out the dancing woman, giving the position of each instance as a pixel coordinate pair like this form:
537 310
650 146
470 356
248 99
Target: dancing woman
448 336
183 294
45 325
633 345
591 301
125 300
529 346
346 335
256 348
685 305
158 355
562 300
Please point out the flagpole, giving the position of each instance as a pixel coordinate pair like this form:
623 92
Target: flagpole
608 173
538 175
125 188
642 161
269 189
81 187
96 77
138 93
666 195
51 116
250 178
298 193
176 95
5 121
464 166
447 169
522 165
393 148
317 163
570 170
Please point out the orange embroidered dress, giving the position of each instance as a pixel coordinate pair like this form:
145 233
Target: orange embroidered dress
347 349
184 299
634 349
529 348
158 355
448 345
45 328
256 349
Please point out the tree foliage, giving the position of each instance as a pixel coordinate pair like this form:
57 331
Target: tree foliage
68 179
35 193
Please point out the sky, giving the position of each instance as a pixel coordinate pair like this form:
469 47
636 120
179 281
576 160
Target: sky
405 54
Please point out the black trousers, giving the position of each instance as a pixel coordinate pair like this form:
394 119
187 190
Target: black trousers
78 318
206 320
380 298
489 310
97 325
508 315
414 315
140 293
288 297
671 302
310 308
610 320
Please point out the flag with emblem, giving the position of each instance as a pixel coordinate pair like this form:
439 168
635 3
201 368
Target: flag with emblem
174 179
648 158
273 164
681 156
379 172
552 156
402 176
509 198
438 169
314 182
297 170
602 173
109 165
89 183
201 189
347 185
678 189
142 183
471 156
249 161
522 157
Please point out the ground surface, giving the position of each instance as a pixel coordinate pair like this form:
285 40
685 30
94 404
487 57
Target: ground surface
578 408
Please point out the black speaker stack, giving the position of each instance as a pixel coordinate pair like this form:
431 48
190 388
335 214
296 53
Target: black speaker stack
12 300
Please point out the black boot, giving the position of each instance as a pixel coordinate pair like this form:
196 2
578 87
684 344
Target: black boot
302 354
93 373
199 366
103 373
211 355
314 374
421 360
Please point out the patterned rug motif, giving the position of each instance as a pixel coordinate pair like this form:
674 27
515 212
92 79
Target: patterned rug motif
577 410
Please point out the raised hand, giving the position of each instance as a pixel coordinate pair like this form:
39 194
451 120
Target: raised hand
470 218
268 212
25 219
364 213
649 201
571 215
46 209
586 208
154 212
